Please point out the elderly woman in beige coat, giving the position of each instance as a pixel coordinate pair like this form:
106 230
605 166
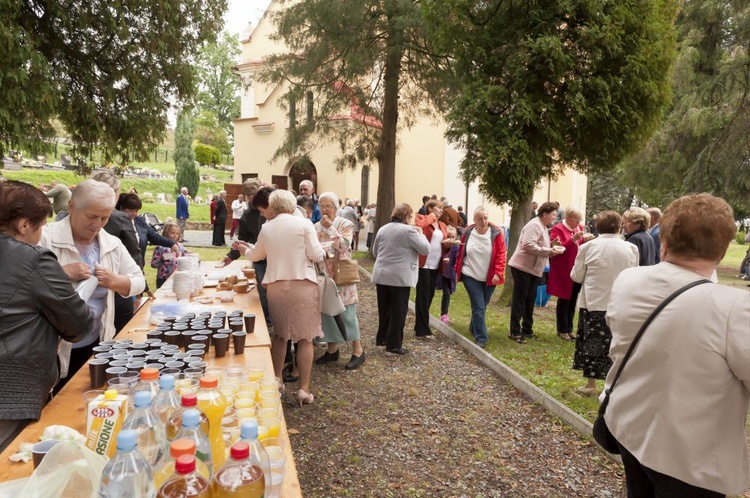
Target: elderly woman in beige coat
89 254
291 247
679 409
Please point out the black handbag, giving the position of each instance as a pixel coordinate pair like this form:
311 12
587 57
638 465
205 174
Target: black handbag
601 432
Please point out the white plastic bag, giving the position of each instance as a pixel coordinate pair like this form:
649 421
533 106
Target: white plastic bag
69 470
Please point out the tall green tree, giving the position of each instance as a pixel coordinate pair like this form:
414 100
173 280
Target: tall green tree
108 71
209 131
547 85
186 172
356 70
219 88
704 141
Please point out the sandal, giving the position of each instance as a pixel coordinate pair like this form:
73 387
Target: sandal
518 338
565 337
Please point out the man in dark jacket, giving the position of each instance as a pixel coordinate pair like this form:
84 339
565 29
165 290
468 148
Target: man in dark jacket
220 220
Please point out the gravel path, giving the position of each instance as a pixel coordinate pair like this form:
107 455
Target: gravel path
434 423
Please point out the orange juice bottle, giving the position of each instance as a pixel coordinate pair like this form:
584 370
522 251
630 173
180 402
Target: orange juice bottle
240 476
213 403
186 482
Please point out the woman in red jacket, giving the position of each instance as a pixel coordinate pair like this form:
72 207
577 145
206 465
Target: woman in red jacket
481 266
569 233
430 266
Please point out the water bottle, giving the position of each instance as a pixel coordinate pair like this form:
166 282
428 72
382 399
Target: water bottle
249 435
191 429
149 381
166 401
127 474
152 441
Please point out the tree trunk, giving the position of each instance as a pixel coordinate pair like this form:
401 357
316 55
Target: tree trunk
387 148
521 215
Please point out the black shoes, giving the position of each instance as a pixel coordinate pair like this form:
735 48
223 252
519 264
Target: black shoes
328 357
355 362
399 351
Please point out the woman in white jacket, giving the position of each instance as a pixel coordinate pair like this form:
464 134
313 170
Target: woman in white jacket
88 253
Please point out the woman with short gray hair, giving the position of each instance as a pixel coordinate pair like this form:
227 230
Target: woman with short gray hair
635 222
86 251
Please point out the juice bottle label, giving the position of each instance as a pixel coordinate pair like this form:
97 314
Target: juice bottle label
104 419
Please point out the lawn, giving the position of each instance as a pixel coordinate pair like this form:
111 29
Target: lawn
198 213
546 361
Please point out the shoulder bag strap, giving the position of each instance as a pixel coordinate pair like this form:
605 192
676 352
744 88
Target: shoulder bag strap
638 336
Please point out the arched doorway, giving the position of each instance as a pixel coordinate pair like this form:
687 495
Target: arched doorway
303 169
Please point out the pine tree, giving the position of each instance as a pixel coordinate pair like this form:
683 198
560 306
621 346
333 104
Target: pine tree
186 172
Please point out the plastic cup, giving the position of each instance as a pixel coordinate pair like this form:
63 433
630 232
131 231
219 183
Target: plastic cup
239 338
216 371
90 396
221 344
113 372
255 374
40 449
98 372
119 386
275 442
186 385
249 320
130 377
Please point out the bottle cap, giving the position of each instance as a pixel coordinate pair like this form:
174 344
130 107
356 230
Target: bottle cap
181 447
240 450
185 464
249 429
166 382
149 374
110 394
189 400
142 398
127 439
191 418
209 381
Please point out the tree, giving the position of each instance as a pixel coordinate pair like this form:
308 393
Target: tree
219 88
363 60
605 192
704 141
544 86
107 71
209 131
186 172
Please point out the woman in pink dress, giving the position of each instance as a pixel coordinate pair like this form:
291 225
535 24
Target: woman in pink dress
569 234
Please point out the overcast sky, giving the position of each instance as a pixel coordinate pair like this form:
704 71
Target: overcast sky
243 11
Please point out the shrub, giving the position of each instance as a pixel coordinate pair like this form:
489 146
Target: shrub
740 237
206 154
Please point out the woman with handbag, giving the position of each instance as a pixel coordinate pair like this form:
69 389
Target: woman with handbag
291 248
397 248
678 393
335 234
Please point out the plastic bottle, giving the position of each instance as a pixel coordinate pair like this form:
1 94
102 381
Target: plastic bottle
149 381
249 435
191 430
241 475
178 448
186 482
166 401
174 424
152 441
213 403
127 473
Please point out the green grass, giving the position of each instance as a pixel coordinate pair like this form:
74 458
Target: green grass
546 361
198 213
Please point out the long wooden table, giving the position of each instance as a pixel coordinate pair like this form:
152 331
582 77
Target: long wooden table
67 407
